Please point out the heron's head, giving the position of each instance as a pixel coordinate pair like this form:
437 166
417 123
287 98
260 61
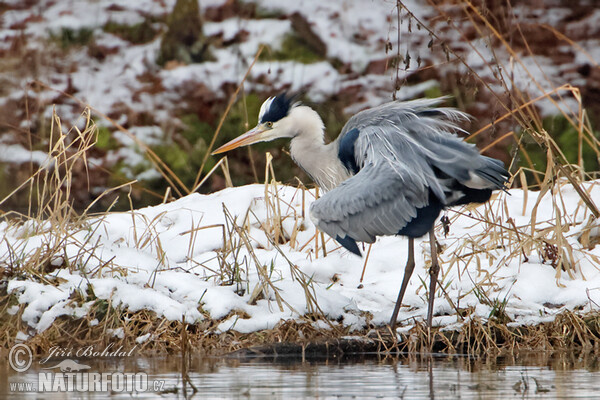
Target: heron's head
271 124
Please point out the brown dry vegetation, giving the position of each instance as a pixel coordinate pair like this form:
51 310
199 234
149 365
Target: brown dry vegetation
569 332
52 192
447 43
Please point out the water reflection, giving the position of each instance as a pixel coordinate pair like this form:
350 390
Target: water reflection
530 376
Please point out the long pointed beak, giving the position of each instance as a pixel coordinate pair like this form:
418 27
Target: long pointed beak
252 136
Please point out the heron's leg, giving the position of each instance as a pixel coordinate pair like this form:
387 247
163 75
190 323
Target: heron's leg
408 270
433 274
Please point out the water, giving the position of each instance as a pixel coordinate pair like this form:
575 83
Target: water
535 376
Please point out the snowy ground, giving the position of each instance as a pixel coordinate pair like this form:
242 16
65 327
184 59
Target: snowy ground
356 33
127 63
171 259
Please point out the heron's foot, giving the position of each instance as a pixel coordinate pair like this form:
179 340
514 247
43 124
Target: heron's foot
433 275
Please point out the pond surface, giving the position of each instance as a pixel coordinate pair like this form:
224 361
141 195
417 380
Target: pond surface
534 376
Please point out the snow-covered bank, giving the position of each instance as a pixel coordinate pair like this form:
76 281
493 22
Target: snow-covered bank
246 257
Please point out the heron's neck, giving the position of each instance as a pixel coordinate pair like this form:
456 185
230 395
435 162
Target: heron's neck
309 151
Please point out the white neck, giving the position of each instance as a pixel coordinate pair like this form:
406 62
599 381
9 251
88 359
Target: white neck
309 151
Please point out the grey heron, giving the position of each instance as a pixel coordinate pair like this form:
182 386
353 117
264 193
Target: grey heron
391 171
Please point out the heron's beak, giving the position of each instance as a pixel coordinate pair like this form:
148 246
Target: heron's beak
257 134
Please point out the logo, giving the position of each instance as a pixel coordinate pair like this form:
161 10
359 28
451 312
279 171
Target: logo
20 357
69 375
69 366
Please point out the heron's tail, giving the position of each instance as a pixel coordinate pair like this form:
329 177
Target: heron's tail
489 175
493 171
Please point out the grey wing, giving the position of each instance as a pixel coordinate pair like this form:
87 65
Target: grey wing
426 133
413 134
403 113
380 200
409 165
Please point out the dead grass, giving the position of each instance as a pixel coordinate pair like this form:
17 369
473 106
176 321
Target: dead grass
52 219
56 223
568 332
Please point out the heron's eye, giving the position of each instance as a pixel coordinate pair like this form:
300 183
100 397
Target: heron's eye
269 124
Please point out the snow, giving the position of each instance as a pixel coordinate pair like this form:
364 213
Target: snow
75 14
177 260
356 33
14 153
115 80
143 338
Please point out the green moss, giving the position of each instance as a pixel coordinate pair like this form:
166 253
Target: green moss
105 139
195 129
433 92
333 117
567 139
175 157
182 152
185 150
265 13
68 37
293 48
5 183
100 309
140 33
235 125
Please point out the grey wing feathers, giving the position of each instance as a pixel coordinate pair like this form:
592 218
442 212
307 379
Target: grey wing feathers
493 171
376 201
404 151
400 113
419 132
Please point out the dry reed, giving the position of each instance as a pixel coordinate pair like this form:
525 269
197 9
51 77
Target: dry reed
52 218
